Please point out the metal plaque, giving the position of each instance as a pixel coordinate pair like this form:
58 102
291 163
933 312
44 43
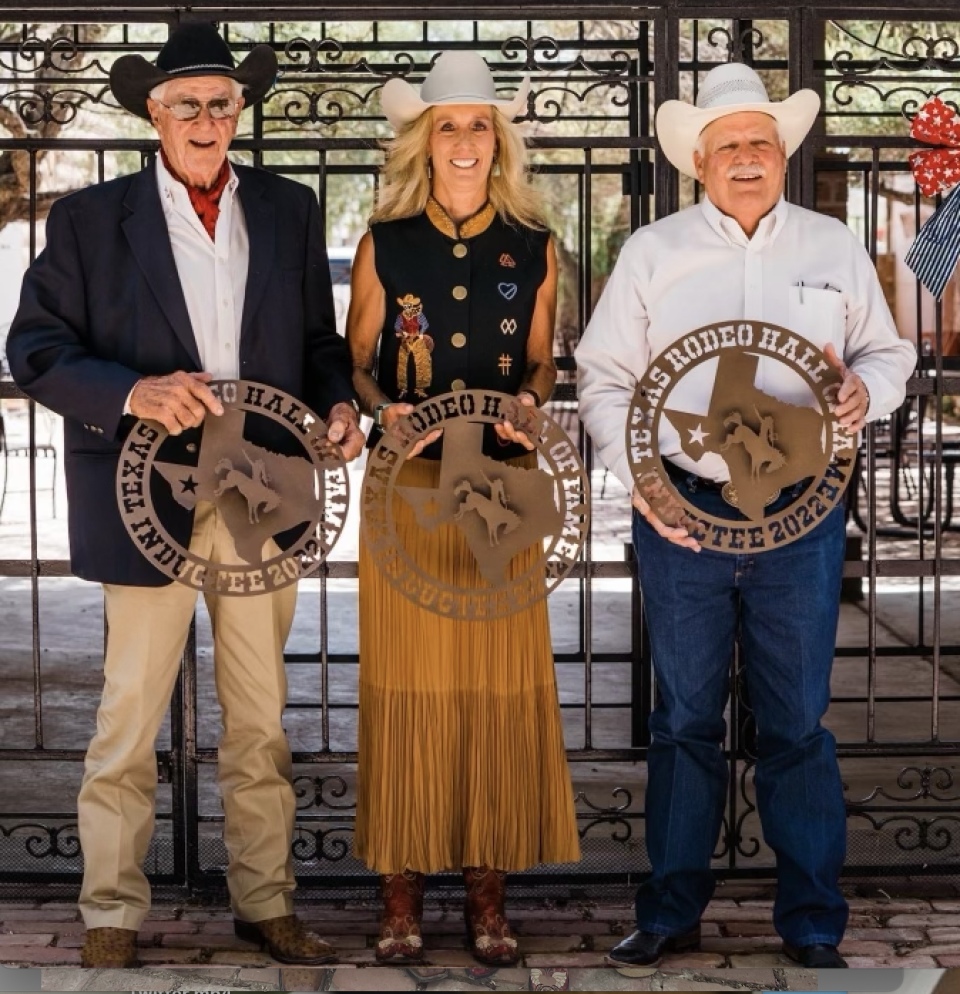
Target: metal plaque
767 443
260 493
501 510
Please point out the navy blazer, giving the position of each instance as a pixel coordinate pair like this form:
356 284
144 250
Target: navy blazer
102 306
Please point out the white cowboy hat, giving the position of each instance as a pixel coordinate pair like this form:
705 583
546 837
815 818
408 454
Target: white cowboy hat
731 88
456 78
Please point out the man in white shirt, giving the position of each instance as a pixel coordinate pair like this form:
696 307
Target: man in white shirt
743 253
150 286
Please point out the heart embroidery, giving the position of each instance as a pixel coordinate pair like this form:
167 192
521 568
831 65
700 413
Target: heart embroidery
508 290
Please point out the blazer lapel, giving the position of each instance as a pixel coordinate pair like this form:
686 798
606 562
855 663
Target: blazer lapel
259 214
146 231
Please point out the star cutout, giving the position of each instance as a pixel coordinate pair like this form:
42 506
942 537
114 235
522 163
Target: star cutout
698 434
189 484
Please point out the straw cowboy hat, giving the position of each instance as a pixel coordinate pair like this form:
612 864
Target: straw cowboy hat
456 78
192 50
731 89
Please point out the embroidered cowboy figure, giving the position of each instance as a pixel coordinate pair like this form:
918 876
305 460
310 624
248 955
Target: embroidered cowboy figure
410 327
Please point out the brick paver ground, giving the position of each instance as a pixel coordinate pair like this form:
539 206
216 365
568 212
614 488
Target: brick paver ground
740 949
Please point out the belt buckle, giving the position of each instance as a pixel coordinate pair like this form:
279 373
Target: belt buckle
729 493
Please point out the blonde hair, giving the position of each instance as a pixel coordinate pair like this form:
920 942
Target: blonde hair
405 183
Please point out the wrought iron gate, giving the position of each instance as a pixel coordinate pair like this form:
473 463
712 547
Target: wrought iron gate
597 76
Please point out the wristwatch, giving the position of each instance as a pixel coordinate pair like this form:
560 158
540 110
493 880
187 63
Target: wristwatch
378 414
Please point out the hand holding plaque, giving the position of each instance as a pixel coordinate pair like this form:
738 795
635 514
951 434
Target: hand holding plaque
766 443
261 493
500 509
178 401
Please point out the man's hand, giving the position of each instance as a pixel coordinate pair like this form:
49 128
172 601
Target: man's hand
392 414
344 429
506 430
178 401
672 533
852 399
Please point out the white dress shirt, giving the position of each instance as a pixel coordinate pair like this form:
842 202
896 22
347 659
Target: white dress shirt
213 274
698 267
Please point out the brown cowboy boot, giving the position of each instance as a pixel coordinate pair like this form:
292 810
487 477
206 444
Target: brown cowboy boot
400 940
286 940
110 948
488 931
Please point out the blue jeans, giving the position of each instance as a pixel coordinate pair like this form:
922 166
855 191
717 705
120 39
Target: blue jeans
784 604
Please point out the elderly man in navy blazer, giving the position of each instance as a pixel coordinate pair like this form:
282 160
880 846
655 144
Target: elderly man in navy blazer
150 286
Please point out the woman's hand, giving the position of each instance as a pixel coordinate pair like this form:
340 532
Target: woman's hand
345 430
508 433
392 414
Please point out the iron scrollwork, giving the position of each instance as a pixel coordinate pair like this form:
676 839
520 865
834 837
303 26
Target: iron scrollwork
334 50
49 55
321 792
617 64
738 45
36 107
927 783
46 841
311 845
298 98
615 815
917 56
931 826
933 834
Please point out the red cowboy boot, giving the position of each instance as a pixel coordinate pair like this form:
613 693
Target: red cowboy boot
400 940
488 931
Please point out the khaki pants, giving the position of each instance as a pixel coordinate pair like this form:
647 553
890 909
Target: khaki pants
148 629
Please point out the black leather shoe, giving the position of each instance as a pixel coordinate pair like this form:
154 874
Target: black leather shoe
817 956
647 948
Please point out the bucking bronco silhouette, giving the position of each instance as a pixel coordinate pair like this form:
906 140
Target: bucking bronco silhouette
492 509
254 488
759 445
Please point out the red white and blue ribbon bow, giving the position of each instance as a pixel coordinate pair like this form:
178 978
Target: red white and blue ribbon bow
936 250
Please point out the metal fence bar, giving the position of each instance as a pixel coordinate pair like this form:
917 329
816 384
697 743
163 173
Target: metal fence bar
663 56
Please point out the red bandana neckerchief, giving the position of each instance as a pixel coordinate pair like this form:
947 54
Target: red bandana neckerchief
205 202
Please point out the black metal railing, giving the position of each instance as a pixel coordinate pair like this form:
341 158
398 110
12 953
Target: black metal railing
597 76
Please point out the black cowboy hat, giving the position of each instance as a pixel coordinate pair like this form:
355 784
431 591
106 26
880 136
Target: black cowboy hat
194 49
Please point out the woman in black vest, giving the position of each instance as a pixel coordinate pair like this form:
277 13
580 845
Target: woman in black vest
462 762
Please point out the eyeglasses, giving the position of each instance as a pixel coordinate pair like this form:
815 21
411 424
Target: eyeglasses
188 109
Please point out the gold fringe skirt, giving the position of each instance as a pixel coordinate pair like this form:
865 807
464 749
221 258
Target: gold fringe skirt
461 753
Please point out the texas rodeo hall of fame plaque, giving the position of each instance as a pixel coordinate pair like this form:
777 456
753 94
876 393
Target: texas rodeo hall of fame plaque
501 510
766 442
300 490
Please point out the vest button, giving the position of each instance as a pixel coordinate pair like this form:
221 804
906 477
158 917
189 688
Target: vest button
459 292
458 385
459 250
458 340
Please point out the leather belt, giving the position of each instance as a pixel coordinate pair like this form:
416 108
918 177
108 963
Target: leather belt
694 483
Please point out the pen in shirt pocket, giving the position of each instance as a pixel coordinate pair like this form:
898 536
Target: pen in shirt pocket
826 286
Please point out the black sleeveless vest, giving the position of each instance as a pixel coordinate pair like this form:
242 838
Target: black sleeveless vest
458 309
